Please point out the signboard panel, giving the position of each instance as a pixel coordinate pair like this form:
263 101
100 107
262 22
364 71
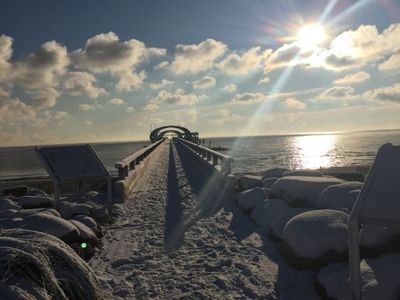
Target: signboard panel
71 162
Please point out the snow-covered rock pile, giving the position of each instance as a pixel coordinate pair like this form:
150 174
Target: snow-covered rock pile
315 238
75 223
306 213
379 279
301 191
35 265
340 196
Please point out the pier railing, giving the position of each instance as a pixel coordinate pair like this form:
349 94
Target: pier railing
213 157
129 163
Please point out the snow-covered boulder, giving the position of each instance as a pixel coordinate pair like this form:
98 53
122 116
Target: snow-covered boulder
6 203
248 199
278 226
50 224
340 196
379 279
316 238
43 267
36 193
301 191
247 182
376 240
265 213
117 210
101 214
85 233
304 172
268 182
88 221
33 201
31 211
68 209
274 173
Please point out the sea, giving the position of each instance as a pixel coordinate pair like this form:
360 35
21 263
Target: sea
251 154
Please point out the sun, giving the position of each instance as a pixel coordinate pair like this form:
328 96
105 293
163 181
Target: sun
311 36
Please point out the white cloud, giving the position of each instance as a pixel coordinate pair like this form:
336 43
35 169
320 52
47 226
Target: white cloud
235 64
87 107
264 80
129 80
41 68
117 101
204 83
384 94
130 109
178 97
106 53
151 106
82 84
161 65
392 63
249 98
5 55
45 97
197 57
13 109
352 78
230 88
163 83
293 103
88 123
355 48
338 93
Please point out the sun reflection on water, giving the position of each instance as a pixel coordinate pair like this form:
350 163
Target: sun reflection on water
312 151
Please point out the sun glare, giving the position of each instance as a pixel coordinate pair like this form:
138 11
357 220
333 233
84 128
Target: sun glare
311 36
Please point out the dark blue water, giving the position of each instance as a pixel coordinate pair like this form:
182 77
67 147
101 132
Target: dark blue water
251 154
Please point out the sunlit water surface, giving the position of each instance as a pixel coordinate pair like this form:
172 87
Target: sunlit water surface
251 154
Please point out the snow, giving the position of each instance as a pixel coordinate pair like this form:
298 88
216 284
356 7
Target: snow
68 210
340 196
268 182
278 225
178 240
274 173
52 225
316 238
6 203
301 191
379 279
265 213
304 172
248 199
249 181
33 201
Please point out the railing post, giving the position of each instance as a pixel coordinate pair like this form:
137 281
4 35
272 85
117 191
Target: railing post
226 166
214 160
208 156
132 165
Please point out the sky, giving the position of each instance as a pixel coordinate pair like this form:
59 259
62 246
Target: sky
91 71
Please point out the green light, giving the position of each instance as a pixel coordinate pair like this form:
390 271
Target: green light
83 245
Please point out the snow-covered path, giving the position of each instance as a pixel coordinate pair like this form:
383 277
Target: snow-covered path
179 239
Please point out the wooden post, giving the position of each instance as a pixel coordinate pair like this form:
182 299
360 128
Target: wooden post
214 160
208 156
354 260
109 190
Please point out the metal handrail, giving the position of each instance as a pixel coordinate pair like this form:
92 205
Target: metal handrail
129 163
210 155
